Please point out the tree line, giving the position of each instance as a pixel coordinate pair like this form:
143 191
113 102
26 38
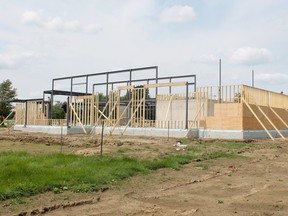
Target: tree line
7 91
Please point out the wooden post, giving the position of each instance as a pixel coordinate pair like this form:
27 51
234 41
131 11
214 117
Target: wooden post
102 135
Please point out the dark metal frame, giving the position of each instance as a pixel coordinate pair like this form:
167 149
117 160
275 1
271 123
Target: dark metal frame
156 78
130 71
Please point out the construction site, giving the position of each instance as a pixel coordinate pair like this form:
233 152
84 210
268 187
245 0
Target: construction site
155 106
150 145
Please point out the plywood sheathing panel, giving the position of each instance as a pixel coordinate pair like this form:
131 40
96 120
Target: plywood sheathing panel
227 116
250 123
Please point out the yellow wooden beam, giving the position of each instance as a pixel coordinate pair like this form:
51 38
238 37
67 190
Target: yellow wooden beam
125 87
101 113
156 85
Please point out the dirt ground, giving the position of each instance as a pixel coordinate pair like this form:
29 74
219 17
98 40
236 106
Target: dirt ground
253 185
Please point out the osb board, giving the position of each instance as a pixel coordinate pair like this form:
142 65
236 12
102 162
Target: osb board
227 116
228 109
282 113
224 123
233 116
251 123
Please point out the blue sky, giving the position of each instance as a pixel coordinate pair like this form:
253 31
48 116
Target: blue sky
41 40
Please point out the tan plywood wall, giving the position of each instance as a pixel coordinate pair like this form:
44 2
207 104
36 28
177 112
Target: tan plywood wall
237 116
227 116
250 122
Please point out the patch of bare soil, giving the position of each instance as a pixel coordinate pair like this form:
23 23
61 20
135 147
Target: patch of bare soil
253 185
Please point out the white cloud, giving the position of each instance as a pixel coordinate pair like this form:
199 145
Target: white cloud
178 14
14 57
31 18
272 78
57 23
92 28
251 56
208 59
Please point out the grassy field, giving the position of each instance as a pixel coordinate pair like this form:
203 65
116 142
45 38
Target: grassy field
24 174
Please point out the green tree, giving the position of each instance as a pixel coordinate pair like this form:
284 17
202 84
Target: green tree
58 111
6 92
102 97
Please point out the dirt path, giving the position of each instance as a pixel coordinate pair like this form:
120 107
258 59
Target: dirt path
253 186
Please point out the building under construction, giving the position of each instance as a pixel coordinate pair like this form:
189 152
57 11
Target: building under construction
152 105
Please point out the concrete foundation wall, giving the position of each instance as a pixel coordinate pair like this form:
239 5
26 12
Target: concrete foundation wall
261 134
52 129
41 129
157 132
220 134
150 132
239 134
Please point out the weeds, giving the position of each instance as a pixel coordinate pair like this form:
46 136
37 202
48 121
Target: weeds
23 174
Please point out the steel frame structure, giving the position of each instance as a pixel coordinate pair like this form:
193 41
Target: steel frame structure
130 71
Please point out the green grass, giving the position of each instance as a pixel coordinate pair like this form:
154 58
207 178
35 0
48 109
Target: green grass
24 174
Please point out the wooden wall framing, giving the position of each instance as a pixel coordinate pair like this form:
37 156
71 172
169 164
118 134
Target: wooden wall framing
233 107
31 113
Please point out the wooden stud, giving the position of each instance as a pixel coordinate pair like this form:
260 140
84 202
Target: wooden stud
71 114
111 114
78 119
118 120
118 107
133 115
144 107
